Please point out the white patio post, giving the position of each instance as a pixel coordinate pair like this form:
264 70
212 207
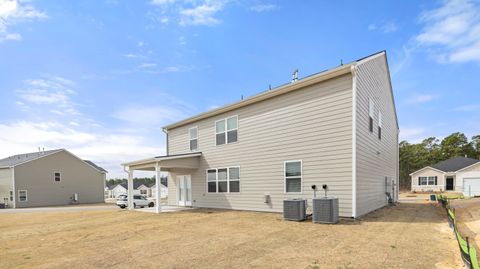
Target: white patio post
130 189
158 206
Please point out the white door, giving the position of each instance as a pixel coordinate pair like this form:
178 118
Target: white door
471 186
184 190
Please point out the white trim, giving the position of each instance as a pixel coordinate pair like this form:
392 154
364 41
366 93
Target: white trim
26 196
354 141
428 180
285 176
468 167
226 130
164 158
190 138
54 176
14 191
426 167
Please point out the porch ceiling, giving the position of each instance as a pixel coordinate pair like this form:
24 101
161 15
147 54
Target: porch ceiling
167 162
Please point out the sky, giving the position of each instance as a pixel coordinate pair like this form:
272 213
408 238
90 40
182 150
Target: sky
101 78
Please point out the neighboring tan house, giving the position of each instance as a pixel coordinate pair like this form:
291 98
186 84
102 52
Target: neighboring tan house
153 192
46 178
458 174
338 127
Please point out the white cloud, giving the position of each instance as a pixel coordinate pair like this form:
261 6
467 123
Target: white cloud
107 148
147 65
263 7
162 2
412 134
54 91
452 31
203 14
13 12
149 116
388 27
421 98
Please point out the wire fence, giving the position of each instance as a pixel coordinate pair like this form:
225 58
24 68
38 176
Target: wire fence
469 253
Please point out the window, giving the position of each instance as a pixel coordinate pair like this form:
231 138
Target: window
371 112
293 176
143 192
57 177
223 180
380 125
11 196
22 195
226 130
193 133
427 181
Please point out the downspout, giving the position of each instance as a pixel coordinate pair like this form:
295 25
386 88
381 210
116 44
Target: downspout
166 139
14 196
354 140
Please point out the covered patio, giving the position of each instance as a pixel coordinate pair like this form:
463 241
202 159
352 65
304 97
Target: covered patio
169 163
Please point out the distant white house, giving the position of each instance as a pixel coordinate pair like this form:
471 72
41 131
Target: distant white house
163 191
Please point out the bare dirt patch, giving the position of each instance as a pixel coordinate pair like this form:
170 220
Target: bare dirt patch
467 212
403 236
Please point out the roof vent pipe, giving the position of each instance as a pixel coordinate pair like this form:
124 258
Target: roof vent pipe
295 76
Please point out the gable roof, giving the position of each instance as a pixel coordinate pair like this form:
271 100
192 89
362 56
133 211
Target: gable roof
18 159
95 166
135 185
282 89
454 164
25 157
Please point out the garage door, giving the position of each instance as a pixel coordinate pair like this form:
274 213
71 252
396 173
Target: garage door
471 186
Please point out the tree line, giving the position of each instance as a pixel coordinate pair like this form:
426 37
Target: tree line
147 181
431 150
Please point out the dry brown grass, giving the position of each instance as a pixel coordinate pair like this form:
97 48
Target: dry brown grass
404 236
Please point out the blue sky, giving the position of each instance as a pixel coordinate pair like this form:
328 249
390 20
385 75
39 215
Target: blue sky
102 77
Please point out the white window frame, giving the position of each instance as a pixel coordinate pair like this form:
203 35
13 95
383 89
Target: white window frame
427 178
226 130
55 177
227 180
285 176
190 138
26 196
11 196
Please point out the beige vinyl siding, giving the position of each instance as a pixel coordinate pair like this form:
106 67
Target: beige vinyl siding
428 172
471 172
313 124
375 159
37 177
6 184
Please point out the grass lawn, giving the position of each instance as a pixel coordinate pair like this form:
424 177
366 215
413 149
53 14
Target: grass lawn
403 236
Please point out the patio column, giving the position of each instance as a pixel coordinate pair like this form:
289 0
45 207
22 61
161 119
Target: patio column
130 189
158 206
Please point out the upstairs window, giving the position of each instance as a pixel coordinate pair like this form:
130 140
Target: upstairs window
57 177
22 195
293 176
193 134
371 112
226 130
380 125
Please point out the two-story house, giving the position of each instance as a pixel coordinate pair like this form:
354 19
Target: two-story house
337 128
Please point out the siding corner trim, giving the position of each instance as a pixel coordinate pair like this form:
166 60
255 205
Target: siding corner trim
354 140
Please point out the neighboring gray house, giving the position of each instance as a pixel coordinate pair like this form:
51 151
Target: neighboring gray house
46 178
459 174
338 127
